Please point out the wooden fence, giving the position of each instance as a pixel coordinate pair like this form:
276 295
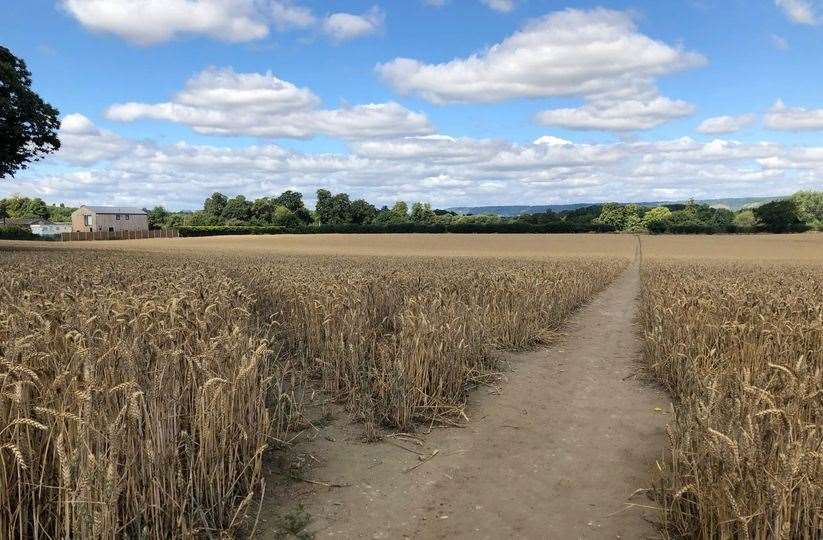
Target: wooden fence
117 235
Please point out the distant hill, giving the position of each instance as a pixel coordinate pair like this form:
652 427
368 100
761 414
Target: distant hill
734 204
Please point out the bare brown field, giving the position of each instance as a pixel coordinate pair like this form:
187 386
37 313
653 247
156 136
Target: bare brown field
759 247
525 246
797 247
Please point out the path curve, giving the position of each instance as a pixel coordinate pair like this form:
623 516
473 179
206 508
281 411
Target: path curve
557 454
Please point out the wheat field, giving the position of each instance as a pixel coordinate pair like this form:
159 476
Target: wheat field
140 393
740 348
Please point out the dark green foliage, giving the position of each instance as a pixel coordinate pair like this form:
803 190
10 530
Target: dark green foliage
222 230
157 217
28 125
362 212
16 233
779 216
215 204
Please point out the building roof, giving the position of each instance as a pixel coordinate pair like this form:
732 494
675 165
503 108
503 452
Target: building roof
115 210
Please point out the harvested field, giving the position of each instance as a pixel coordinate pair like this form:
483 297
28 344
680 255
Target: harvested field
740 348
141 392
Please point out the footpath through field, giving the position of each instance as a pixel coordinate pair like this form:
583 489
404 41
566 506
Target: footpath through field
557 453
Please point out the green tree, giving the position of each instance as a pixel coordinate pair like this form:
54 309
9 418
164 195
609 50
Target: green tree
745 221
362 212
400 211
655 215
215 204
157 217
333 209
284 217
422 213
291 200
3 212
237 209
809 206
28 125
778 216
263 209
612 214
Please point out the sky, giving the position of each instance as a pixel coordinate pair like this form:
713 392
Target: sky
453 102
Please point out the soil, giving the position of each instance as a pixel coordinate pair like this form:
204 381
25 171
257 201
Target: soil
558 451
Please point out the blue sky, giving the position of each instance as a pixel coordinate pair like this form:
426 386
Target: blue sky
454 102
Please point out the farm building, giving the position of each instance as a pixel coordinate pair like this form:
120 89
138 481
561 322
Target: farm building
109 219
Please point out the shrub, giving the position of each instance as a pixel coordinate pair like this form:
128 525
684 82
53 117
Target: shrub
222 230
16 233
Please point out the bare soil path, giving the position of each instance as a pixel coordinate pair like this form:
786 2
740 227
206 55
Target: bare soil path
555 454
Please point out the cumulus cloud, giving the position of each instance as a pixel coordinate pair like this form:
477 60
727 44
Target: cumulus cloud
567 53
598 55
148 22
83 143
447 171
152 21
608 113
725 124
799 11
223 102
345 26
784 118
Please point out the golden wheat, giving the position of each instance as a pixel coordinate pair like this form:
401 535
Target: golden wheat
139 393
740 347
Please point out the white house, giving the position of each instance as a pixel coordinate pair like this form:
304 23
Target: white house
47 228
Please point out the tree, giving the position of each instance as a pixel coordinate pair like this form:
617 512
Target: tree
655 215
422 213
28 125
400 211
291 200
215 204
3 212
238 209
809 206
362 212
262 209
333 209
18 207
779 216
285 217
745 221
612 214
157 217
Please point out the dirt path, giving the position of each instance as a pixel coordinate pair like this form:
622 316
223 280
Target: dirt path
556 454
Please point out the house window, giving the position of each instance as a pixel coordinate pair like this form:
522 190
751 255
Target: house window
87 221
111 229
127 217
117 217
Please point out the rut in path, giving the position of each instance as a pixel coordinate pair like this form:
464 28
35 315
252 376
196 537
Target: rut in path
556 455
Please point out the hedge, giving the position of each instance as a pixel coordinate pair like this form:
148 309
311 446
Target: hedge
16 233
222 230
396 228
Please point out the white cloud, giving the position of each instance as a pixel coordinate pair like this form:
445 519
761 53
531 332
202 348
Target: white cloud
345 26
83 143
567 53
147 22
223 102
783 118
446 171
799 11
647 111
287 14
725 124
503 6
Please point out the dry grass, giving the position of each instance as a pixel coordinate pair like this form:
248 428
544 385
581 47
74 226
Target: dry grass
139 393
740 347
